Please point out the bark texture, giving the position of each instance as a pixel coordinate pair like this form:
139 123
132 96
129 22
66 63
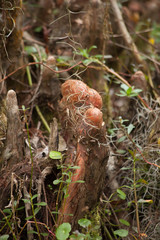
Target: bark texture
10 41
84 133
14 138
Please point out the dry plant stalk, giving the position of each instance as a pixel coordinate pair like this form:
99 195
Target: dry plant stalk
85 135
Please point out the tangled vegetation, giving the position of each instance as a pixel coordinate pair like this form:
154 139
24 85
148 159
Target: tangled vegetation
79 120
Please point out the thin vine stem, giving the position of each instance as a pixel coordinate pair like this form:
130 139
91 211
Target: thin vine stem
135 196
9 225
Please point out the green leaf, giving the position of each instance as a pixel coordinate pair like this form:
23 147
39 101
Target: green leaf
57 181
38 29
23 108
107 211
65 174
130 203
62 232
68 181
7 210
54 212
28 218
133 94
121 194
125 168
66 195
129 91
121 94
37 210
121 151
121 139
41 204
133 153
4 237
44 234
86 62
61 166
7 217
121 233
78 236
26 200
95 60
55 155
98 238
136 186
64 189
84 222
96 227
99 56
137 90
31 232
79 181
34 196
130 128
124 222
92 48
83 52
30 49
111 131
20 208
63 59
124 87
74 167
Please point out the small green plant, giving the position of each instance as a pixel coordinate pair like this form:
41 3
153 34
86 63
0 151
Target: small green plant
55 155
62 232
85 53
64 229
11 215
36 207
121 232
128 91
65 180
89 231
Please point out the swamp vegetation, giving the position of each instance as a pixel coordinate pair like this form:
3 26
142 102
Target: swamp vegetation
79 119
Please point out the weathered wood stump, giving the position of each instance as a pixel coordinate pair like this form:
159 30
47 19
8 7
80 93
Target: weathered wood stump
85 135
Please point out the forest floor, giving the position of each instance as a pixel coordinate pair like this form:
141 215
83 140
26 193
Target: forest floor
79 120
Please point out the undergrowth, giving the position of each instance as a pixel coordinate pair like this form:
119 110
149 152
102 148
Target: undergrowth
129 206
130 210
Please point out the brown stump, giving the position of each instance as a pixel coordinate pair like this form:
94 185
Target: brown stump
85 135
13 152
